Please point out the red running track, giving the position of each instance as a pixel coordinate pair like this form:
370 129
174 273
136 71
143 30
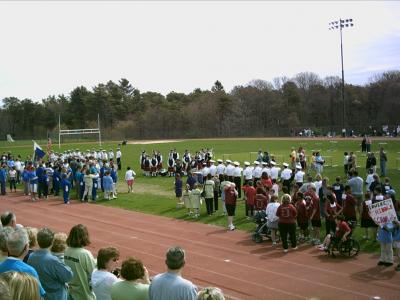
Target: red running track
215 256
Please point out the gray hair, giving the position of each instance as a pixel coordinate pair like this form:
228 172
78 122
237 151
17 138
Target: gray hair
17 241
210 293
4 233
175 258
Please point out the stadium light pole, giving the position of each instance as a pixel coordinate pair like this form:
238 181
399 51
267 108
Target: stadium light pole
340 24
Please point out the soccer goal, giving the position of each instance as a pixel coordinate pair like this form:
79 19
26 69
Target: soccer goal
253 156
75 132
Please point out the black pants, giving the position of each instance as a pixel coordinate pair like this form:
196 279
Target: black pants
119 163
249 210
287 184
209 205
13 184
330 226
238 182
284 230
40 189
216 194
3 187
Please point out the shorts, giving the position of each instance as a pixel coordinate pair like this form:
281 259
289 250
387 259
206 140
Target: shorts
178 193
230 209
359 199
303 226
316 223
129 182
272 225
33 187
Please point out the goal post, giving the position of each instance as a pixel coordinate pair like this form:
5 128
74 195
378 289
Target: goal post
62 132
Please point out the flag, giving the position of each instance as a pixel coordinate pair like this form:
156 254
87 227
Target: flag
37 150
48 146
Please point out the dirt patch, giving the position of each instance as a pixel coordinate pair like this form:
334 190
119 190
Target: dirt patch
145 188
146 142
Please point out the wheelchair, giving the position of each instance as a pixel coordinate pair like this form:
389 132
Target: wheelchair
347 248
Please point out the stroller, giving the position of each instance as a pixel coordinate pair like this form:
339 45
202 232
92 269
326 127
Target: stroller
260 218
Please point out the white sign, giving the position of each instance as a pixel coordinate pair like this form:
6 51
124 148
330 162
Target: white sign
382 212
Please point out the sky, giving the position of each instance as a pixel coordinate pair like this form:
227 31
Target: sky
51 47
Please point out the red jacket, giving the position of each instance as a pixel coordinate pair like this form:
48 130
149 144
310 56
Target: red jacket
287 214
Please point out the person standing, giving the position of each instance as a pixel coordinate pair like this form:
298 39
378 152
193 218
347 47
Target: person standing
287 214
102 278
81 261
237 177
118 156
129 178
171 284
230 203
3 179
286 176
135 284
53 273
209 194
356 184
382 161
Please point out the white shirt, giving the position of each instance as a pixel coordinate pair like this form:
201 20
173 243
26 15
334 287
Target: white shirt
369 180
213 170
257 172
299 176
18 165
266 170
248 173
271 211
102 282
220 169
229 170
286 174
129 175
275 187
205 171
111 154
275 172
318 185
119 154
237 172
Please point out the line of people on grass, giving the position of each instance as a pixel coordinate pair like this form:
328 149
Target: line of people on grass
60 267
82 173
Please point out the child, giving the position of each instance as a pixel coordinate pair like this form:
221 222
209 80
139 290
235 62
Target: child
194 198
302 216
178 190
66 187
186 200
385 239
114 176
275 187
366 220
338 189
261 200
33 183
250 193
88 182
349 205
25 180
332 209
59 245
341 233
13 179
272 222
107 185
129 178
56 181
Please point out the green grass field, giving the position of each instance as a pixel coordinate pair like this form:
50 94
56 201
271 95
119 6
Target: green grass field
156 195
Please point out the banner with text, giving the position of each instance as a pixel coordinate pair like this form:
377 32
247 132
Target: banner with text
382 212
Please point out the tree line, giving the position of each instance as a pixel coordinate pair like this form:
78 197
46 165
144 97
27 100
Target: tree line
260 108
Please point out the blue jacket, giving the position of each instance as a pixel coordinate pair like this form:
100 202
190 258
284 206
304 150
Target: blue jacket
3 175
107 183
52 273
14 264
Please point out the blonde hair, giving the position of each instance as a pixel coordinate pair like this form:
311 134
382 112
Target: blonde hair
32 234
59 243
22 286
286 199
210 293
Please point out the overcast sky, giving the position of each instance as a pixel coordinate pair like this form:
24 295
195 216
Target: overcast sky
49 48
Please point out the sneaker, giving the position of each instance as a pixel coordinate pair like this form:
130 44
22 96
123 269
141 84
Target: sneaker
273 243
285 250
388 264
397 268
295 248
381 263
